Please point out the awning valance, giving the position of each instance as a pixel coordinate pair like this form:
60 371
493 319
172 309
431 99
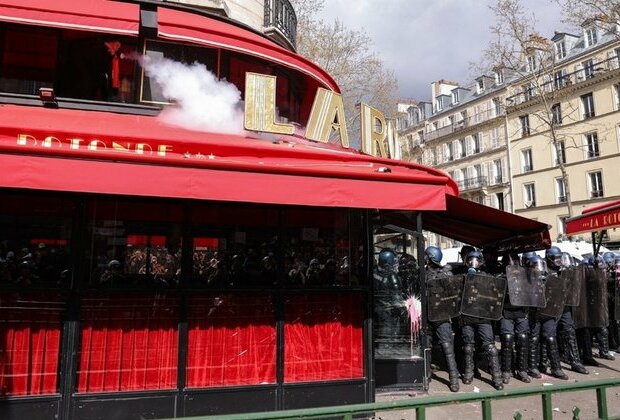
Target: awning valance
88 15
594 219
82 151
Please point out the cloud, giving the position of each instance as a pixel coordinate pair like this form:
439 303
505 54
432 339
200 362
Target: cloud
424 41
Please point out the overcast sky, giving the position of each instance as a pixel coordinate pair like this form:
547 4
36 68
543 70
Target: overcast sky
427 40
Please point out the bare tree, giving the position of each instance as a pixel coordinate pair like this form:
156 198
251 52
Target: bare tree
532 64
601 13
347 55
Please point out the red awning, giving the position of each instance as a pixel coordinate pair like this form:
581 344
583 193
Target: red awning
188 27
605 216
479 225
88 15
82 151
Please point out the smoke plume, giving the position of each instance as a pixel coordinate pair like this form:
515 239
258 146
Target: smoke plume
201 101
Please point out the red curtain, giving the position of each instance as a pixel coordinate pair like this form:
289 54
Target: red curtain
232 341
30 327
128 343
323 337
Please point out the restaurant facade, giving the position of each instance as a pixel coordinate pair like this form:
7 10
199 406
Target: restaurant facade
153 271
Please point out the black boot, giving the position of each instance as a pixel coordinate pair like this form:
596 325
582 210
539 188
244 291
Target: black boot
508 342
584 342
494 368
603 345
543 366
572 352
534 357
521 362
554 359
453 373
468 364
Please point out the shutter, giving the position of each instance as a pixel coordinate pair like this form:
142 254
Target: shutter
612 60
580 73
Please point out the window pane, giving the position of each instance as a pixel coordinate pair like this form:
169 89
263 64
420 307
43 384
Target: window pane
128 343
133 244
30 337
323 337
231 341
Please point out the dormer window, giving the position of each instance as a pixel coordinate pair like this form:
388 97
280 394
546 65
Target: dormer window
480 85
499 77
560 50
531 63
455 96
439 104
590 36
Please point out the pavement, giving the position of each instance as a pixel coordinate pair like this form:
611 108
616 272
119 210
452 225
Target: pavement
529 407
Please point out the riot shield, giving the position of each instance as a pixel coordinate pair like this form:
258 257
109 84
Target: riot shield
555 295
444 297
573 276
525 289
483 296
592 309
616 291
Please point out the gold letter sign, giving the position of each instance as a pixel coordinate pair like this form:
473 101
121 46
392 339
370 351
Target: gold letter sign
374 131
327 114
260 105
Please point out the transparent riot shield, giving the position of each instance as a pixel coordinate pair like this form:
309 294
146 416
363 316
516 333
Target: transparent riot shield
444 297
483 296
616 289
555 295
592 310
573 276
525 289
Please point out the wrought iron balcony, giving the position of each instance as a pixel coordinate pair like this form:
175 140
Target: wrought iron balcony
465 123
567 79
473 183
280 15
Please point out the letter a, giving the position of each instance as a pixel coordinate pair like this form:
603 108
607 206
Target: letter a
327 115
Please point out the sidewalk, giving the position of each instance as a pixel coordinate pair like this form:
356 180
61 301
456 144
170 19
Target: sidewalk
530 407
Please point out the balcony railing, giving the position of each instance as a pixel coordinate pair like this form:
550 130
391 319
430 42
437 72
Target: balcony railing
562 199
596 194
279 14
472 183
465 123
568 79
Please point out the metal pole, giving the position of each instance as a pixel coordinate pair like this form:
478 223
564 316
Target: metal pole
601 402
547 408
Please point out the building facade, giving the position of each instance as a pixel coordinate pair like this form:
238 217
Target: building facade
462 132
274 18
564 134
536 140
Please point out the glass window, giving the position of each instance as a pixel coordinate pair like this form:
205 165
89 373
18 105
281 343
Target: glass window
35 272
133 244
596 184
587 103
556 114
588 68
559 152
156 50
526 160
560 50
560 189
592 148
591 36
525 125
559 79
529 195
499 198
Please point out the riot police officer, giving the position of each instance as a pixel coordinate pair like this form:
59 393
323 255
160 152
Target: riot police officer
442 329
514 323
556 262
391 326
480 327
543 329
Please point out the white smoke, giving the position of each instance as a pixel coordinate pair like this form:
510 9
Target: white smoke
202 102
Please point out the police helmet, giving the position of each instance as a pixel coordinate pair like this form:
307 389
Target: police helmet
553 255
609 258
387 258
526 258
434 255
539 264
474 259
465 250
